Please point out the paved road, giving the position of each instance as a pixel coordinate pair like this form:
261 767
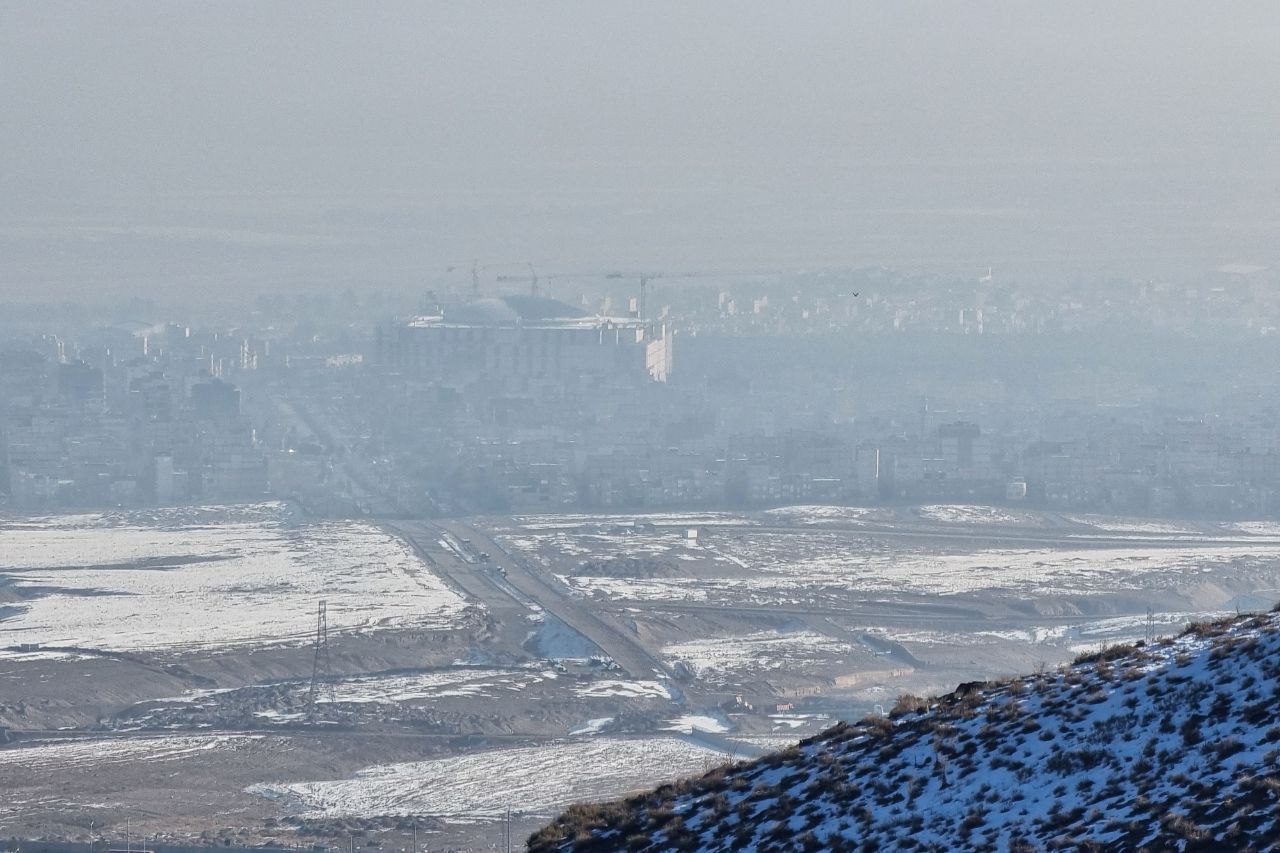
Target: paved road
578 614
510 598
475 582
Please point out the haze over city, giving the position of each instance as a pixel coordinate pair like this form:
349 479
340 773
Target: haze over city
181 147
667 426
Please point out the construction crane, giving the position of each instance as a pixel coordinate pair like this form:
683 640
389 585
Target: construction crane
532 279
644 278
477 268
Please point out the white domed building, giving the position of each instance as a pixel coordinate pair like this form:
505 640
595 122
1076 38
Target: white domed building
524 341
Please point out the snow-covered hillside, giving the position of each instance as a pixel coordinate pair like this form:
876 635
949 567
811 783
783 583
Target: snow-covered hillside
1172 746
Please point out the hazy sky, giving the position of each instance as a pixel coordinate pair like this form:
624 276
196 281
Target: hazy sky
171 145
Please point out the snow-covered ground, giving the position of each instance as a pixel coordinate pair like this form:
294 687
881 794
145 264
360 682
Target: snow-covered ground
483 785
592 726
722 659
1119 629
822 565
978 514
187 578
669 544
388 689
1040 570
769 743
1083 635
797 571
689 723
797 721
1168 747
679 520
827 514
94 754
40 654
1256 528
1109 524
943 638
624 689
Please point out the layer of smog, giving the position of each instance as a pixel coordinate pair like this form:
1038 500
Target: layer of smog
419 421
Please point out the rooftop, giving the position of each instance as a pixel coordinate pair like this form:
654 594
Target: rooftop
519 310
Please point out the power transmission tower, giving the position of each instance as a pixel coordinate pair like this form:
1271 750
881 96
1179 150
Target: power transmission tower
320 666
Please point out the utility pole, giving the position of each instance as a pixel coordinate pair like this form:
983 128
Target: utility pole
508 829
320 665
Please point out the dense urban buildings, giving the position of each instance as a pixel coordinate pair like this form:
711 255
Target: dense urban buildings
863 386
